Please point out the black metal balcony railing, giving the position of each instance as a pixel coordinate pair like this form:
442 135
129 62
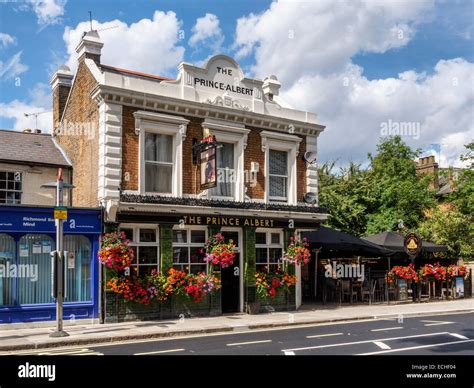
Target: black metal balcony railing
201 202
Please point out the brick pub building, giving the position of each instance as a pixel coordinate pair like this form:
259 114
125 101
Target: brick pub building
135 159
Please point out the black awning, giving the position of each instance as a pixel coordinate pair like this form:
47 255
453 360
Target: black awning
394 241
343 243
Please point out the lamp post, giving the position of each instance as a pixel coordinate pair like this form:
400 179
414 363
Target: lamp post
60 214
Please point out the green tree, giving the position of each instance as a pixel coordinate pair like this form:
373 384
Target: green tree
463 196
396 192
446 225
343 193
366 201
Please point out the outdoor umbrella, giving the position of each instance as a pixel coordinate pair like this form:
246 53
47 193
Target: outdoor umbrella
344 243
394 241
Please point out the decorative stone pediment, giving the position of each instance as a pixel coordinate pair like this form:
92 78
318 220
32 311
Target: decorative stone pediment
227 101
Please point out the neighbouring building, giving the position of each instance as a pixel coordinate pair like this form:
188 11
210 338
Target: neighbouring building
130 139
28 160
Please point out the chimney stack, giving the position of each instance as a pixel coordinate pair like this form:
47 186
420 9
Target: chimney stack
90 46
271 87
61 83
428 165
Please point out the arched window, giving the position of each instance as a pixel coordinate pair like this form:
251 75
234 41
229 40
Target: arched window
7 259
78 268
34 269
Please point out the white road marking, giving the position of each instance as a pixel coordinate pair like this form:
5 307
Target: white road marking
159 352
415 347
388 328
249 343
323 335
365 342
382 345
437 323
459 336
289 353
71 352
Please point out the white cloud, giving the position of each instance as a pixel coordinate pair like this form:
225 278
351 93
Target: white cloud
206 31
149 45
12 67
309 46
6 40
293 39
48 11
16 109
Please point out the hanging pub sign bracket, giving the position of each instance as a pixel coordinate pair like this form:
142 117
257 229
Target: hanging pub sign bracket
204 154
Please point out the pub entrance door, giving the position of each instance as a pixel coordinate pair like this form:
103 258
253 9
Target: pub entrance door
231 276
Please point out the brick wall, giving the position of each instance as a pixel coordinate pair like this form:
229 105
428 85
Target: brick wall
130 150
82 148
60 95
253 153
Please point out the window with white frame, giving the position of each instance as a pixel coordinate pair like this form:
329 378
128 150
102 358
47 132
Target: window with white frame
281 151
278 175
188 244
158 163
269 250
10 187
161 139
226 177
145 244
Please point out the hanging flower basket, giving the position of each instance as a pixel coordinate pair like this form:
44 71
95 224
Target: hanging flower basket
116 252
218 252
297 252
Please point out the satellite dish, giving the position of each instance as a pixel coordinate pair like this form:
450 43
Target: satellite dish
310 157
310 197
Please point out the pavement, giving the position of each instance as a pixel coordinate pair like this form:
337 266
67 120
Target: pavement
14 337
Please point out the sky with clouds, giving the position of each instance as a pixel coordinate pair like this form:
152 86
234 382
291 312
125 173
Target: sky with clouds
365 68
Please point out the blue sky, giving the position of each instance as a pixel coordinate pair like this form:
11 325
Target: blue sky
333 41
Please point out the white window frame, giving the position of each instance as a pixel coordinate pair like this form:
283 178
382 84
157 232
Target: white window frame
176 126
136 242
190 245
281 142
279 199
268 245
7 190
230 132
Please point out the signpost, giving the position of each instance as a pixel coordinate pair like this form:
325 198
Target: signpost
412 245
58 258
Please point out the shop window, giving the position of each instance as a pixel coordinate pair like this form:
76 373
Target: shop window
10 187
269 250
226 175
158 163
7 258
78 264
34 282
187 246
144 242
278 175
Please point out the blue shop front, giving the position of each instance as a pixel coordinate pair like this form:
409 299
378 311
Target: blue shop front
27 237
